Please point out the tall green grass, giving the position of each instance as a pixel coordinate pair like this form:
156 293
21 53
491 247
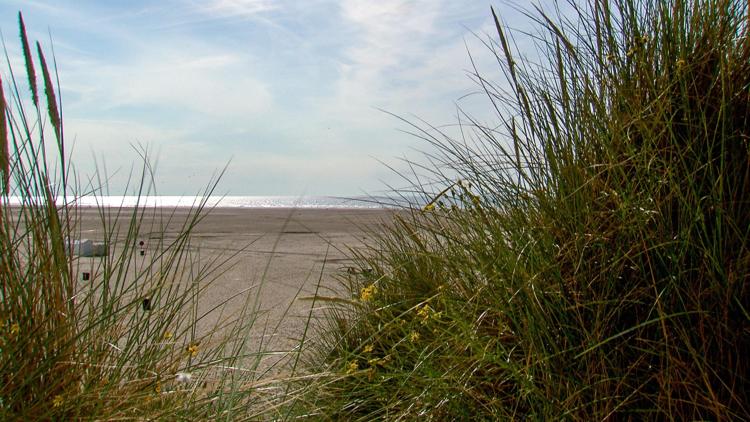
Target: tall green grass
74 349
592 259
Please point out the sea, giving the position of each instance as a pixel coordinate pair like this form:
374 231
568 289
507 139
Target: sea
320 202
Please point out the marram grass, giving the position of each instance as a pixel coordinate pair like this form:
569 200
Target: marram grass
594 263
77 349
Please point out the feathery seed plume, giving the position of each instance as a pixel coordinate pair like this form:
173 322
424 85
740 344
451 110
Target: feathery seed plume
49 91
27 58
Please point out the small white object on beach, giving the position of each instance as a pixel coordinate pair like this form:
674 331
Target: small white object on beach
183 377
88 248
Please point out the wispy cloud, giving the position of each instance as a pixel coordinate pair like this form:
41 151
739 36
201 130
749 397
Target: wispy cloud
285 89
214 85
242 8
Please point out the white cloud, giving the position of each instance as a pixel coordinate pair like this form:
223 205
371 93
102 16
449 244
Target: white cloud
402 56
199 90
238 7
214 85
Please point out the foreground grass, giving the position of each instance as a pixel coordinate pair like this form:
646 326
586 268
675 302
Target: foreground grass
73 348
593 259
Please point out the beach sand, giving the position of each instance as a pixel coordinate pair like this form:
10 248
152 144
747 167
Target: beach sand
279 254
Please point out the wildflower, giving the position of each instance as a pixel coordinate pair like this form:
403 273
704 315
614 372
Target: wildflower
15 328
57 401
183 377
368 292
425 312
368 348
167 335
414 337
429 207
379 361
352 367
192 350
157 387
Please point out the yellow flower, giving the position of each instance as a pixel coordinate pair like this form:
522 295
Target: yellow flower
14 328
352 367
368 292
424 312
379 361
414 337
167 335
57 401
429 207
157 387
368 348
192 350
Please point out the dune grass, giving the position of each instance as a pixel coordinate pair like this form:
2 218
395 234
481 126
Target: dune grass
587 258
75 348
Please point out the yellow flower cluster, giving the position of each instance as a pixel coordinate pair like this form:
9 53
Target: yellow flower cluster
379 361
192 350
368 292
57 401
368 348
426 313
414 337
352 367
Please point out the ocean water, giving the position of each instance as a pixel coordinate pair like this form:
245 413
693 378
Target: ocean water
320 202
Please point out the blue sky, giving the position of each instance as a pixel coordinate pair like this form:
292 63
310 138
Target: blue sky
287 90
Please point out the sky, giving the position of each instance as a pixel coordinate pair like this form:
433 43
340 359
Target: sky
290 94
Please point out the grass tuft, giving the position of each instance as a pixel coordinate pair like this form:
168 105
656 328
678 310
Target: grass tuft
588 258
130 339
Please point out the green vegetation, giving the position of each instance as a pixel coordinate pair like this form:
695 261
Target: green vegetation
593 259
586 259
74 348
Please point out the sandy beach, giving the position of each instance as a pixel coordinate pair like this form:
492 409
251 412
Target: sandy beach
279 254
